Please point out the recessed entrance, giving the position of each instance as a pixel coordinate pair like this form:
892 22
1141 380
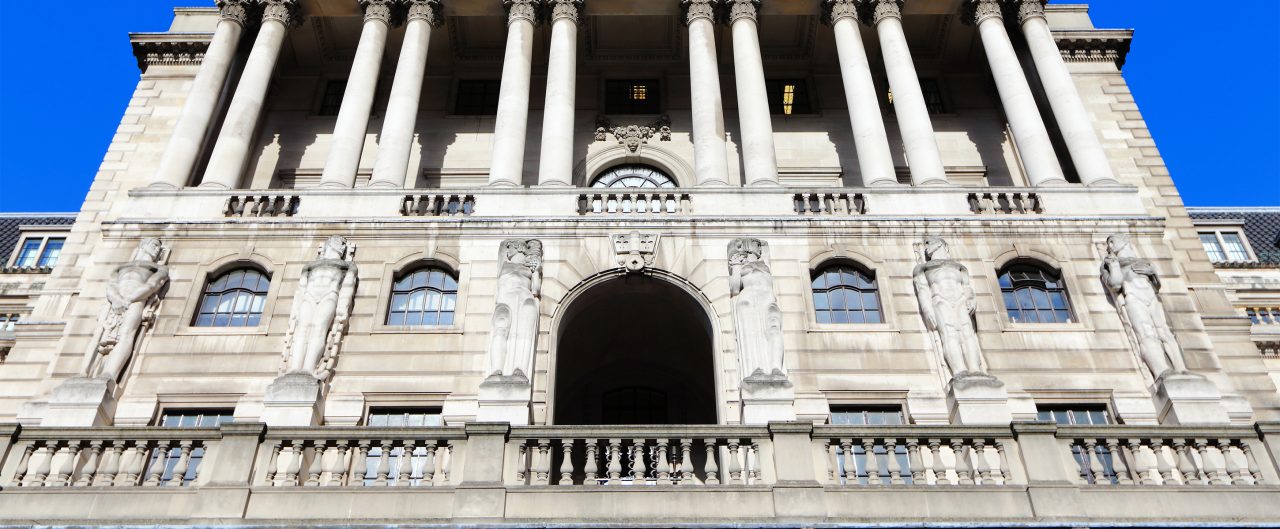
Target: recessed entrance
634 350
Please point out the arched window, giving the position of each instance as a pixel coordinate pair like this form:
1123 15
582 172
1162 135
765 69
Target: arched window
233 299
634 175
425 296
844 294
1034 294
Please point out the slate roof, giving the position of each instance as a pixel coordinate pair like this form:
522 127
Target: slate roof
9 223
1261 227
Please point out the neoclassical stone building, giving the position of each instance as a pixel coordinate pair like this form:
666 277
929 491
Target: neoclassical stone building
663 263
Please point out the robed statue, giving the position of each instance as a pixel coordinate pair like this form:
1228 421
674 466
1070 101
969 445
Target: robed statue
133 294
944 289
1135 287
756 316
321 310
514 329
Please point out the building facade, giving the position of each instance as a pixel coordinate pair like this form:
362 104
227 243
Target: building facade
665 263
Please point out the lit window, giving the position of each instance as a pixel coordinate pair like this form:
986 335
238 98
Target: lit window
40 252
187 419
331 103
234 299
788 97
857 466
632 96
398 418
844 294
1034 295
1225 246
424 297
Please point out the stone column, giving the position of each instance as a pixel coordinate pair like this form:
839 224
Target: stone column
556 165
710 155
357 101
1015 94
231 151
759 160
1073 119
391 169
908 100
512 122
869 138
179 158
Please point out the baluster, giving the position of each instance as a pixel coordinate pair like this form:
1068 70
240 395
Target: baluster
686 462
316 465
735 467
90 468
637 460
522 462
712 470
429 466
663 463
184 461
1234 471
915 462
41 475
445 462
20 471
963 473
1093 462
273 463
592 465
1254 469
111 465
137 464
404 474
338 470
980 458
1119 468
1213 474
1186 467
938 470
849 466
1164 461
566 466
615 462
1139 467
753 462
384 463
543 473
870 464
833 461
64 475
895 467
1006 475
158 462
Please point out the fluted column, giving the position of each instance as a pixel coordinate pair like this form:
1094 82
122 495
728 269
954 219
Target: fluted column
357 100
231 151
875 160
180 156
391 169
512 122
759 160
1020 108
710 154
914 123
556 164
1073 119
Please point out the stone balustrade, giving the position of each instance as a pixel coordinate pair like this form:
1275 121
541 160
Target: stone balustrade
920 456
1108 455
360 457
438 205
262 206
109 457
1005 203
830 203
638 202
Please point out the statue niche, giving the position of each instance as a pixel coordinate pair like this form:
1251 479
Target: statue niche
756 316
133 294
321 310
514 327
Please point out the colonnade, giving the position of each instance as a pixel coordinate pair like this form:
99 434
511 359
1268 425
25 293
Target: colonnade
230 152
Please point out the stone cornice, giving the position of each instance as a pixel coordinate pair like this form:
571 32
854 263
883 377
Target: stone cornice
1094 45
169 49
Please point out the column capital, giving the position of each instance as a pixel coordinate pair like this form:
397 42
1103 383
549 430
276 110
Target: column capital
518 10
978 11
567 9
885 9
283 11
234 10
699 9
1029 9
380 10
429 10
836 10
742 9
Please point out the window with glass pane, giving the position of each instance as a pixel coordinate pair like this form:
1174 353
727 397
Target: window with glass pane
1084 415
398 418
331 103
29 253
424 297
844 294
1212 247
477 97
7 322
857 466
233 299
634 176
52 249
1034 295
1234 246
632 96
788 96
201 418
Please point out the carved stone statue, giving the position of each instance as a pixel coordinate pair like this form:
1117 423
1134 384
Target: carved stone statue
947 303
756 315
1135 286
321 309
133 294
515 317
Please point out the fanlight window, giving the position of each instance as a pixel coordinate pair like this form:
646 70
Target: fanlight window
233 299
635 176
844 294
424 297
1034 295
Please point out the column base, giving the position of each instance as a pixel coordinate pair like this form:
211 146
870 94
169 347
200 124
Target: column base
885 183
978 398
81 402
1056 182
1104 182
1188 399
767 398
505 399
383 184
212 185
503 183
293 399
161 186
334 185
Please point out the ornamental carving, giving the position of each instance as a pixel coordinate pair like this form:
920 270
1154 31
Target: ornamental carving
567 9
234 10
886 9
514 328
1134 286
944 288
635 250
133 296
518 10
1028 9
633 136
428 10
981 10
699 9
282 11
321 311
742 9
380 10
836 10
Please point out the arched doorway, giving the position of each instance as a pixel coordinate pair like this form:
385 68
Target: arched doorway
634 349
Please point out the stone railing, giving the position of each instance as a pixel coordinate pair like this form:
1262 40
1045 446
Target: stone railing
830 203
638 202
438 205
262 206
920 455
1005 203
110 457
360 457
1109 455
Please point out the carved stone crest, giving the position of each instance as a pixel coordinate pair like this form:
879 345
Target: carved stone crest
635 250
633 136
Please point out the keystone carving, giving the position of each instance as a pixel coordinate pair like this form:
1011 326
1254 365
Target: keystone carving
635 250
633 136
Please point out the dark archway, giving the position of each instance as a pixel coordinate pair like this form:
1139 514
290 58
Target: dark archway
635 350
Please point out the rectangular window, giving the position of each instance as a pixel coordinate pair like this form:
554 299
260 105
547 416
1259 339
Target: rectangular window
331 103
477 97
788 97
632 96
868 415
398 418
1225 246
932 96
1212 247
1235 247
39 252
7 322
1075 414
855 467
190 418
29 253
52 249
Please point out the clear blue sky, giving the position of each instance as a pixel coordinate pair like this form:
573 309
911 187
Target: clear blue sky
1206 84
